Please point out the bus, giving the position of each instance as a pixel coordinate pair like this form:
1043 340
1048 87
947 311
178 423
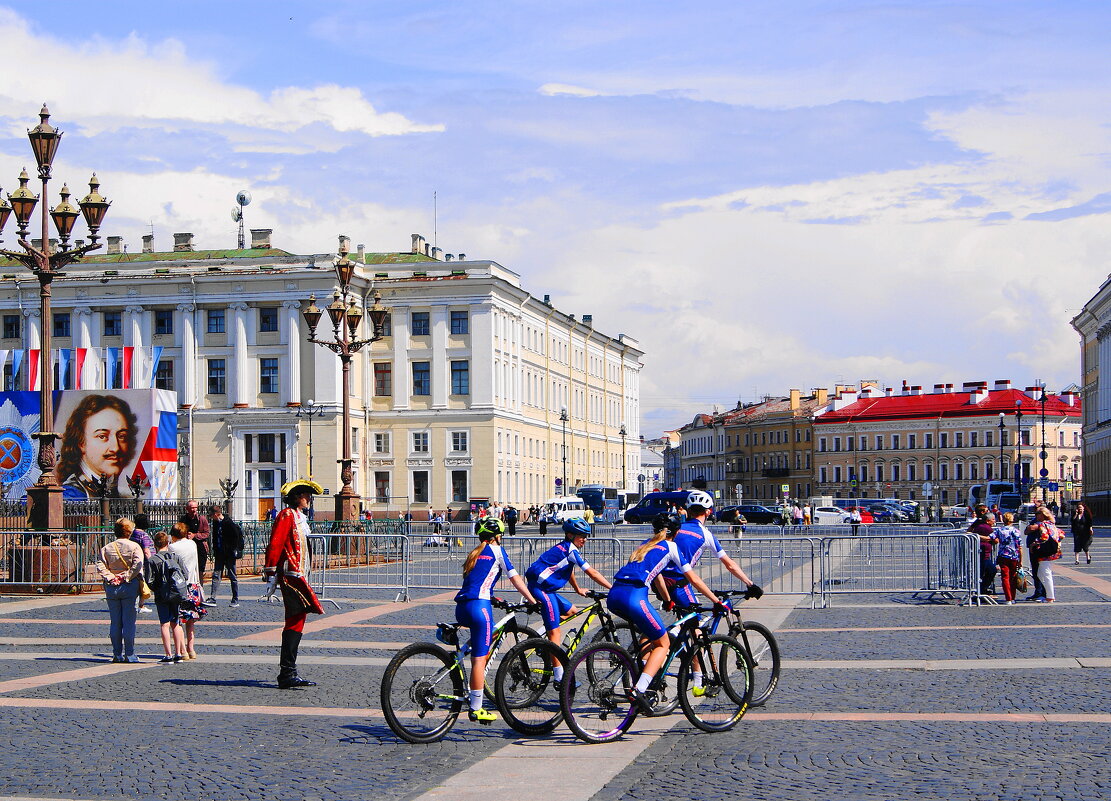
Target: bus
990 493
607 503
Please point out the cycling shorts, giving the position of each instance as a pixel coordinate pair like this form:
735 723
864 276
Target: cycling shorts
478 616
630 601
681 592
553 606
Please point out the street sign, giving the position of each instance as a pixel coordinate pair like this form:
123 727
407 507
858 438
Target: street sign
640 477
1068 486
1043 472
927 488
559 482
1043 483
784 487
1054 486
853 482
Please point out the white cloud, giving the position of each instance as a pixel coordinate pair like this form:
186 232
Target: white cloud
157 84
552 89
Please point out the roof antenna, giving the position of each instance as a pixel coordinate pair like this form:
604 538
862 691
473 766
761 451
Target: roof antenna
435 220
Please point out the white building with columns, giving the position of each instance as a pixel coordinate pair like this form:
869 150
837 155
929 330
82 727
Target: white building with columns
460 402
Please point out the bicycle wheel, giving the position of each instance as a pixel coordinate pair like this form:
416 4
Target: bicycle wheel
525 690
501 646
595 693
663 697
726 684
422 693
763 650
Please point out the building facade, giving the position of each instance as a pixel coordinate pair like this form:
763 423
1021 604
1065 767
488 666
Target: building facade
461 401
936 445
1094 326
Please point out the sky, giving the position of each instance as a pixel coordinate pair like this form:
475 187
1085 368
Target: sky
767 195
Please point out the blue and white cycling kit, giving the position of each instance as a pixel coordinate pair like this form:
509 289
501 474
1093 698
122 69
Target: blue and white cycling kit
549 574
472 603
629 596
692 539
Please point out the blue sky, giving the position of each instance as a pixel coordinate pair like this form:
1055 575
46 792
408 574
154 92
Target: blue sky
767 195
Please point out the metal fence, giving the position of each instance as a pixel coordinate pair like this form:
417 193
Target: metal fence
390 555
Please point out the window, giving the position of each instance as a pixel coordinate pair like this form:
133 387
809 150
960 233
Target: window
268 375
420 486
1005 438
459 441
912 442
460 378
383 379
9 379
836 477
959 471
215 321
973 438
418 324
836 443
929 441
387 326
422 378
910 472
266 480
459 490
973 471
381 486
943 472
879 473
381 442
944 438
420 442
113 324
1061 438
850 443
266 444
163 321
895 441
268 319
11 326
460 323
61 324
958 439
928 471
216 377
894 472
164 375
1026 436
879 442
822 475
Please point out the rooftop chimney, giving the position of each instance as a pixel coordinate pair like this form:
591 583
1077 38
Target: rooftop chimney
183 242
1033 392
461 257
438 254
1002 384
418 244
260 238
1069 397
148 243
361 251
547 300
448 257
115 245
588 319
939 389
821 396
888 392
978 393
916 389
795 399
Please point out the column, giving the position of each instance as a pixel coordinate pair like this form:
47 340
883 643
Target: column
133 338
32 328
83 324
402 375
239 388
291 375
441 370
187 396
482 356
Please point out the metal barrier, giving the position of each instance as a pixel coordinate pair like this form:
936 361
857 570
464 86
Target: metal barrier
51 562
939 563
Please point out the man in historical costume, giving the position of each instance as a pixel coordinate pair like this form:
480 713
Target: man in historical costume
287 567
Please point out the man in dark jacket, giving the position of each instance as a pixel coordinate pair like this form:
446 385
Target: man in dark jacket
227 546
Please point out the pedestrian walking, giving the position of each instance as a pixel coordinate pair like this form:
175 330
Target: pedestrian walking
855 519
796 514
120 566
197 525
227 548
509 517
806 515
1046 546
168 580
288 566
1008 557
191 608
1081 525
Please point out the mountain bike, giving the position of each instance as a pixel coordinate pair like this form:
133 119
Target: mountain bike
525 690
596 692
425 685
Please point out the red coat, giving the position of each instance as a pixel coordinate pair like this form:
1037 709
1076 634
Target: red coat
284 557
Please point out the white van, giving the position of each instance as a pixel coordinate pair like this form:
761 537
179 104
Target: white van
556 510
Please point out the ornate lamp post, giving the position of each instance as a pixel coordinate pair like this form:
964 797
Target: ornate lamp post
1043 455
345 315
624 467
563 418
1002 429
310 410
45 497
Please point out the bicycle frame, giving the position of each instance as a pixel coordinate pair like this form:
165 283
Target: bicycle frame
595 611
463 651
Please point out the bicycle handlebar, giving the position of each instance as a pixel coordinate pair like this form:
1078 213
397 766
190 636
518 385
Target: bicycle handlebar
501 603
596 595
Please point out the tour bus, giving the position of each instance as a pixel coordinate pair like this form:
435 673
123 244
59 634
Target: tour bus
991 494
607 503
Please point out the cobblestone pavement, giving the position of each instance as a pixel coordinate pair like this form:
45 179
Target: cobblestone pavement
835 729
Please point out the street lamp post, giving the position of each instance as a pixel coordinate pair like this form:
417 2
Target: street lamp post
45 497
1044 473
624 467
345 315
1002 428
563 418
1018 444
310 410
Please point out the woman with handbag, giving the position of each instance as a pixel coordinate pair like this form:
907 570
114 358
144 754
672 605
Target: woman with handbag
1081 524
121 566
1045 546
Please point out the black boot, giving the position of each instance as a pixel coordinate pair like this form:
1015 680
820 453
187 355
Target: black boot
287 676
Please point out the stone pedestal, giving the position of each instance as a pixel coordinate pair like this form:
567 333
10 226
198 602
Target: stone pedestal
44 508
347 507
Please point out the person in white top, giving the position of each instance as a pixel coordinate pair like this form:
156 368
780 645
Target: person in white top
191 609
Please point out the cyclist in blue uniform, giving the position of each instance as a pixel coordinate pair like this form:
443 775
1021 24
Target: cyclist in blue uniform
629 597
483 567
552 571
692 540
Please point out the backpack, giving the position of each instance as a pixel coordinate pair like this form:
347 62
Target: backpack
167 578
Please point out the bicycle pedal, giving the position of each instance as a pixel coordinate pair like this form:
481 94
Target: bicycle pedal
482 716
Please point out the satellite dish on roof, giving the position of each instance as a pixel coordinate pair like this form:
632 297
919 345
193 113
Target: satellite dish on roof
237 214
243 198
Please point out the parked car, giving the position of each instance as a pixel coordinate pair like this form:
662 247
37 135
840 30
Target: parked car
828 515
756 515
887 513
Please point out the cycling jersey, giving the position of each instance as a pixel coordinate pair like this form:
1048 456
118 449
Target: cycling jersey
693 538
660 556
479 583
553 569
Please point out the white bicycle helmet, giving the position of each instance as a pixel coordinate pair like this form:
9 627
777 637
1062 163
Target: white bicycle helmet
700 498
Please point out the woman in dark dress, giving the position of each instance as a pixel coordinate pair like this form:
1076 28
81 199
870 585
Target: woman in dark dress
1081 521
